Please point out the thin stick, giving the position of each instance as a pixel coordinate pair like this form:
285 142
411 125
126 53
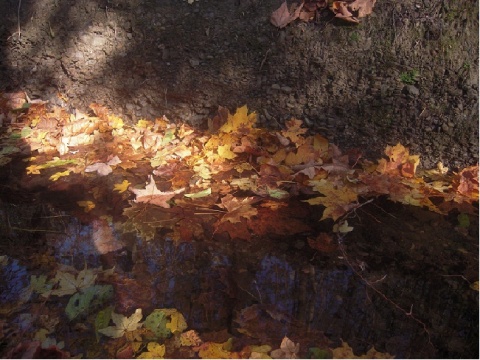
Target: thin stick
18 18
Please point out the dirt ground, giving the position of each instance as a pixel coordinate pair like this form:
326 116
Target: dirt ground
408 73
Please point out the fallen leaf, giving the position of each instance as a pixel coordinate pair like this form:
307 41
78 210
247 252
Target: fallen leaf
152 195
364 7
199 194
282 16
121 187
101 168
123 324
87 205
155 351
58 175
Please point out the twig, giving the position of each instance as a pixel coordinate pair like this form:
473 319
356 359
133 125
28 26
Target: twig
18 17
371 286
264 59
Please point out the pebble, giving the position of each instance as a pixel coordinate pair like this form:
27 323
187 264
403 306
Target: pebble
194 62
412 90
276 87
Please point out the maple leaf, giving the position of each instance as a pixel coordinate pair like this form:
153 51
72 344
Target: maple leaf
87 205
123 324
241 120
238 208
69 284
400 162
466 182
34 169
338 200
294 131
282 16
121 187
153 196
225 152
58 175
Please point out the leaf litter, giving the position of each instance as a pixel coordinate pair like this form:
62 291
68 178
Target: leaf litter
237 180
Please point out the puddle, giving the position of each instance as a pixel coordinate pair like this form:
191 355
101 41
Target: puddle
255 292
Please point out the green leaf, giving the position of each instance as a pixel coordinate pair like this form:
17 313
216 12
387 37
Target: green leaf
200 194
69 284
463 221
78 304
123 324
157 323
26 132
101 321
82 303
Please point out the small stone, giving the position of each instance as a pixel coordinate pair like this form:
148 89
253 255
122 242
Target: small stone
412 90
194 62
445 128
276 87
286 89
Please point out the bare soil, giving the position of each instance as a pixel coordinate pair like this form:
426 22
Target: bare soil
408 73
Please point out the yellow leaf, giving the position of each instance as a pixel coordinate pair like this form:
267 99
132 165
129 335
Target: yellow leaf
155 351
34 169
58 175
225 152
115 122
177 323
145 124
87 205
338 200
474 286
122 187
241 120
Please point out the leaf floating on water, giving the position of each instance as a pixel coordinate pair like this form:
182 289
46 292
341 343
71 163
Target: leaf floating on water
153 196
123 324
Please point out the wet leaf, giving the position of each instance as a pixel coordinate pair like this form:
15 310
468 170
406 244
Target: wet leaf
153 196
212 350
102 320
121 187
58 175
123 324
84 302
177 322
155 351
157 323
87 205
474 285
190 338
343 227
288 350
70 284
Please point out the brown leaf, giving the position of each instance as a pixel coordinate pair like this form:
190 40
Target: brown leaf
323 243
364 7
282 16
238 208
153 196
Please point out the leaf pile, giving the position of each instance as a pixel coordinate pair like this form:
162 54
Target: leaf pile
236 179
350 11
